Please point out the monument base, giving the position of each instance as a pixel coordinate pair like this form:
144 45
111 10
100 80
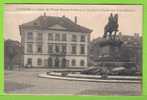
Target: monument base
110 48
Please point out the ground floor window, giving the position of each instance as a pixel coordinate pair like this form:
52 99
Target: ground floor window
45 62
82 63
39 61
50 62
63 62
56 62
29 61
73 62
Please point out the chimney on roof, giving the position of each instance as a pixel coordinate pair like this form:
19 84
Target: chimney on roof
76 19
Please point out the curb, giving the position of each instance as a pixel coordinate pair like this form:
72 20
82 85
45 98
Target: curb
44 75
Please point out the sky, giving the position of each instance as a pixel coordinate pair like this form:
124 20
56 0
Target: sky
94 17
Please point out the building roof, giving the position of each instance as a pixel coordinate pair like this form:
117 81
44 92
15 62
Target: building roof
46 22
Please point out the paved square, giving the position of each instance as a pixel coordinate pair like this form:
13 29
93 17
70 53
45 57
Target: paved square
27 82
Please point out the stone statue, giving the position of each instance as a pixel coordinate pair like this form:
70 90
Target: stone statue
111 26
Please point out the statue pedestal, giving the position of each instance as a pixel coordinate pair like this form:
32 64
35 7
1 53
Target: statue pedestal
109 55
110 47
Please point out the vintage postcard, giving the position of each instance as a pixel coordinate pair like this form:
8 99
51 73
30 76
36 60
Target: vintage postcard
73 49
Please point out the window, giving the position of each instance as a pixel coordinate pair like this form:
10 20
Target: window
82 63
30 36
50 62
63 37
29 61
35 23
29 48
74 49
73 62
64 49
50 36
74 38
39 48
39 36
45 62
39 61
82 50
57 62
50 49
57 37
82 38
57 49
63 62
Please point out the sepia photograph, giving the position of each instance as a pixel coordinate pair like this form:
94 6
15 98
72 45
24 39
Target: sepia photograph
73 49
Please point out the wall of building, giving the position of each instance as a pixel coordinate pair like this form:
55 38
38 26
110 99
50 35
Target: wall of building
45 61
45 42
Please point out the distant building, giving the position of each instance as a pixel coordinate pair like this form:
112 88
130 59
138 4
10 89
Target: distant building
134 44
13 54
54 42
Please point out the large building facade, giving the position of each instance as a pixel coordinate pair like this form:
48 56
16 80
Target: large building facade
54 42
